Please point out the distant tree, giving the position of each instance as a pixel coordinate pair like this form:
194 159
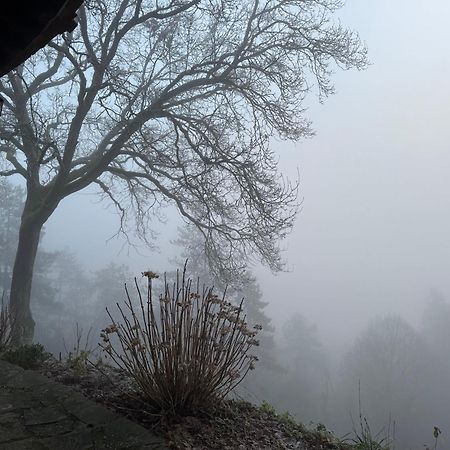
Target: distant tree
255 306
390 362
386 356
304 387
12 198
11 205
70 280
170 102
436 325
108 288
302 336
436 332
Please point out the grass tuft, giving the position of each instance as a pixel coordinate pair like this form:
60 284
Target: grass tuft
26 356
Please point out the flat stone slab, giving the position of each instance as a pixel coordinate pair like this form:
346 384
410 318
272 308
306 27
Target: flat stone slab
38 413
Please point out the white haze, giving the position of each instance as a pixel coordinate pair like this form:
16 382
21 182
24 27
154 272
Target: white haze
372 237
372 234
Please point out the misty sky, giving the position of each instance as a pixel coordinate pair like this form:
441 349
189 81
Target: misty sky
372 236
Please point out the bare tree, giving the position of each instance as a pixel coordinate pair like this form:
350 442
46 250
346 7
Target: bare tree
385 372
170 101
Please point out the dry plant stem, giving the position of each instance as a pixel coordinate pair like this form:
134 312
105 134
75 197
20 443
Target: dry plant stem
195 350
78 348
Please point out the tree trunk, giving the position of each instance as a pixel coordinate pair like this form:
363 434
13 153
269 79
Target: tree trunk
22 320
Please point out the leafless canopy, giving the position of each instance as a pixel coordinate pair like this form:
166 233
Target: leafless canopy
174 102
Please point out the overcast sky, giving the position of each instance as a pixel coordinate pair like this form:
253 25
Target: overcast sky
373 234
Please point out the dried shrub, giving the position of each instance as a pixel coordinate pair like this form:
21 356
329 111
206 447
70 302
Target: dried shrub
5 325
194 351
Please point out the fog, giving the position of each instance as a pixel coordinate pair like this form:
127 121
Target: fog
370 238
370 245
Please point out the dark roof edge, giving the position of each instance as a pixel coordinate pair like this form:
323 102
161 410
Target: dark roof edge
64 20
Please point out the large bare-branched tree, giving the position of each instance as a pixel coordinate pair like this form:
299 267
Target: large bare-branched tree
170 102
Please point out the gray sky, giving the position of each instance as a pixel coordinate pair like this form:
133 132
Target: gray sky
372 237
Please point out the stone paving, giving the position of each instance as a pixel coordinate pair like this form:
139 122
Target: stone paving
37 413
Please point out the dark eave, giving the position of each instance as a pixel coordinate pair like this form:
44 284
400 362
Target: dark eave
28 25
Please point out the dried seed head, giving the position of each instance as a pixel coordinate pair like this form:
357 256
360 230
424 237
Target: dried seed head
113 328
225 330
108 349
150 274
134 342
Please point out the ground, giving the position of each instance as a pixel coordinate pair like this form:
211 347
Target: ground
37 413
230 425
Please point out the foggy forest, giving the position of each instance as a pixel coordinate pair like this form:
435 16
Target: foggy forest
236 201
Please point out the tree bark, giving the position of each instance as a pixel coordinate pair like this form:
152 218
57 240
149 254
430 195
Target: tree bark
22 320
